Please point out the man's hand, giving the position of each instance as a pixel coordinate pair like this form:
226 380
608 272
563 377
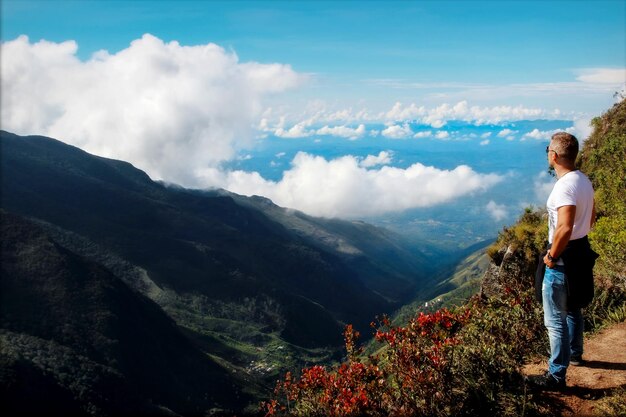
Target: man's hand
547 261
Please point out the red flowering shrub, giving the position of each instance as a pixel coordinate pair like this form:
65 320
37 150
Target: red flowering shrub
417 361
459 362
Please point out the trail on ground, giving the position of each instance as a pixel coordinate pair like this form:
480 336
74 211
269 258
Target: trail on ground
603 372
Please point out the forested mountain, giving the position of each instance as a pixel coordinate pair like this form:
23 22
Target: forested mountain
255 287
75 338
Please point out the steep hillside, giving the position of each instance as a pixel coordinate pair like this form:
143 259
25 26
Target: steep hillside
452 285
604 159
257 287
375 253
78 340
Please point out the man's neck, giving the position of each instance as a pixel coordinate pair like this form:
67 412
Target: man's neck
563 169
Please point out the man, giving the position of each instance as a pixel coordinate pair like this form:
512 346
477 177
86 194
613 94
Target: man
569 260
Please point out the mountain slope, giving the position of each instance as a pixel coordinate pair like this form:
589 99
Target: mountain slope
257 287
375 253
76 339
186 240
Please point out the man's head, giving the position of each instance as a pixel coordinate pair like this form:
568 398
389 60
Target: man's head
565 147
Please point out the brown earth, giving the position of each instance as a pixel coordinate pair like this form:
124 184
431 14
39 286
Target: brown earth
603 372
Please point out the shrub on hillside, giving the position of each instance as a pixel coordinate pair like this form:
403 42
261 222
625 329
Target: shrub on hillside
603 158
528 236
461 362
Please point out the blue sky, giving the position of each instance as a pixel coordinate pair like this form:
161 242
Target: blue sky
353 47
410 112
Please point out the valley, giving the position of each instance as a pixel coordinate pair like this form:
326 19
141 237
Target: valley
253 289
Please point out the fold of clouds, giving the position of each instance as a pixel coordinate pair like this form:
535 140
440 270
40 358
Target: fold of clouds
397 131
505 133
343 187
423 134
168 108
383 158
546 134
397 119
343 131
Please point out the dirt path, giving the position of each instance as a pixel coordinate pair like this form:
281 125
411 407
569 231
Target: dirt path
604 371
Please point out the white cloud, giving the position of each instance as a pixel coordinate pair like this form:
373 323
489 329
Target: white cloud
582 129
424 134
343 188
484 142
397 131
408 113
543 184
280 154
343 131
506 133
546 134
296 131
318 113
167 108
442 135
602 75
438 116
485 135
383 158
536 134
497 211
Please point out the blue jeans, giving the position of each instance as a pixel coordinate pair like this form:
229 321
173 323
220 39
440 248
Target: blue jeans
565 327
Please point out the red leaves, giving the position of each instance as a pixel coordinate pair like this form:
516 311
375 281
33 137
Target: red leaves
435 365
341 393
439 327
415 360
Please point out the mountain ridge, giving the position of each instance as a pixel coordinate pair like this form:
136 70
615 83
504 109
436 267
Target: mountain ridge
257 287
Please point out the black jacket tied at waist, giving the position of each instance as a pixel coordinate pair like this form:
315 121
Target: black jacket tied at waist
579 259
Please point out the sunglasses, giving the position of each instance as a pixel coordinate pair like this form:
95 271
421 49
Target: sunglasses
548 150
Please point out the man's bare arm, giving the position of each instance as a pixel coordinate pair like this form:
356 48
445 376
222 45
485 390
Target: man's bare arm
562 233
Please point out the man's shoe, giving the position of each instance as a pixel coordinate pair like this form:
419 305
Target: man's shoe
577 360
546 382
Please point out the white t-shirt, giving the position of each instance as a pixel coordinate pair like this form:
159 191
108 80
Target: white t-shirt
572 189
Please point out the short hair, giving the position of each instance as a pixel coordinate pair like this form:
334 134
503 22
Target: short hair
565 145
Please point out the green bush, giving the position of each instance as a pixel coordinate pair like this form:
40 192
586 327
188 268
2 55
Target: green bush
603 158
529 236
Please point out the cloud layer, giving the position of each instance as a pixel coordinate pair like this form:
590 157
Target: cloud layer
178 112
170 109
345 187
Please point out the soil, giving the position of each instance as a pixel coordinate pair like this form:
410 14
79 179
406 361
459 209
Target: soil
604 370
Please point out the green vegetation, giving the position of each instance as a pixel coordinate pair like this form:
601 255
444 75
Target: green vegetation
528 236
451 287
604 159
613 405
